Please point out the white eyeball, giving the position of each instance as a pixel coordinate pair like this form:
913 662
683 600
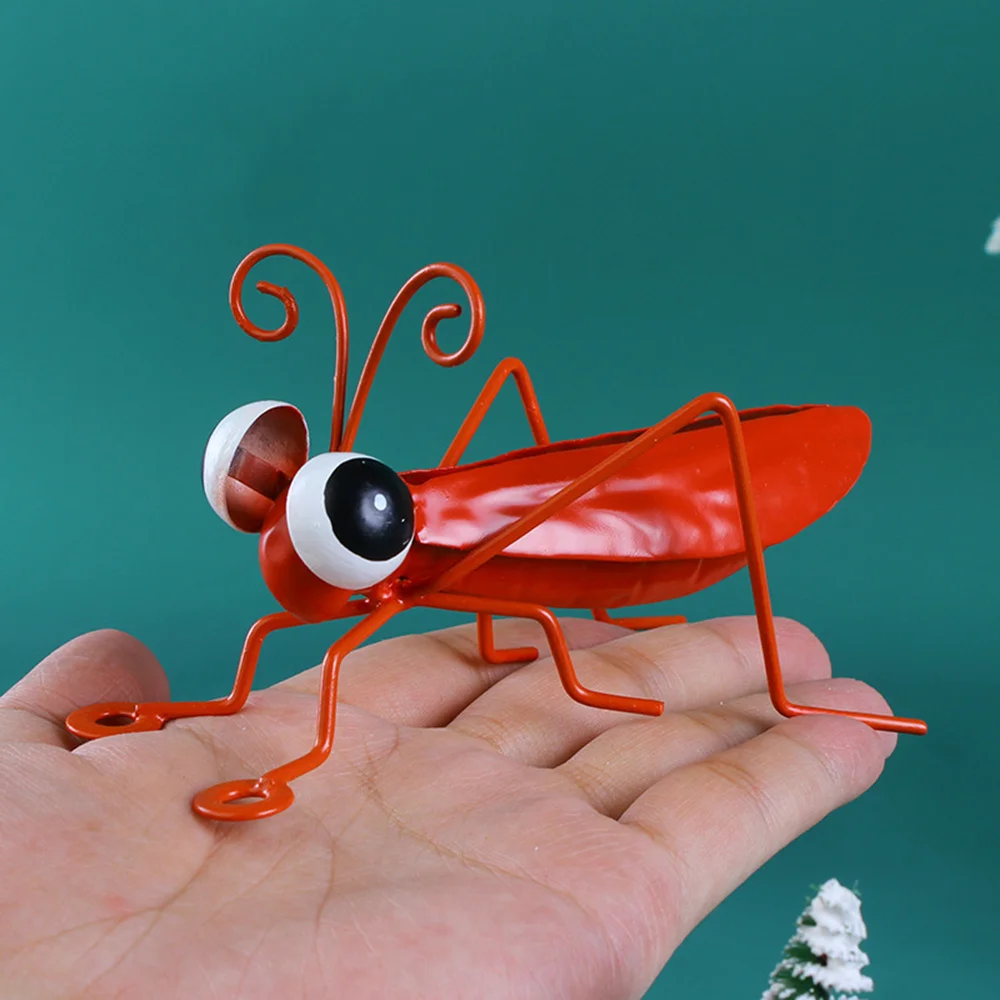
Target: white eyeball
350 519
250 459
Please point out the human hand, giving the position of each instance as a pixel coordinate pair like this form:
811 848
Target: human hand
475 832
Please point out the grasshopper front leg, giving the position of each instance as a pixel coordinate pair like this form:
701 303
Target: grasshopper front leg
256 798
111 718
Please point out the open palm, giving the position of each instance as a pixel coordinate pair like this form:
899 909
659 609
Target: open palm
475 832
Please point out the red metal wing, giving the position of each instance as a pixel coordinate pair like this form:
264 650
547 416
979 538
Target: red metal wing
677 501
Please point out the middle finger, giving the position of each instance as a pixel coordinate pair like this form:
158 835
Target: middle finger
529 717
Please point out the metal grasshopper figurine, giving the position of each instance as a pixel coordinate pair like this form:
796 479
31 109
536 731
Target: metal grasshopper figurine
606 522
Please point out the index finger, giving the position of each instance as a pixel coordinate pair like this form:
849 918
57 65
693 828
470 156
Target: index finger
97 666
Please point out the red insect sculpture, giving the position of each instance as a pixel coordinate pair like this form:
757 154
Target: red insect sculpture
606 522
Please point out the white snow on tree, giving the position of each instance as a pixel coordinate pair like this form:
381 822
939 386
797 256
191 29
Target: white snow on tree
823 960
993 243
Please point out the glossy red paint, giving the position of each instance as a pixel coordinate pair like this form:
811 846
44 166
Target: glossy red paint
606 522
666 526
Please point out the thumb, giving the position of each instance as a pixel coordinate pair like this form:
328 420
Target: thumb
107 665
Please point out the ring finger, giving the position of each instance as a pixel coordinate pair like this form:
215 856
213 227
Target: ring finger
616 767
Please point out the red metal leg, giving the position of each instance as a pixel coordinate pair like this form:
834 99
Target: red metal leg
509 367
762 598
489 652
256 798
557 644
111 718
639 623
114 717
724 407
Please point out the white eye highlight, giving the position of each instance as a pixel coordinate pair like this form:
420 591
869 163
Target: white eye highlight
250 459
350 519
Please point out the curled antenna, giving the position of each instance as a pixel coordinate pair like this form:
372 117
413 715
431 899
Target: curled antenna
342 436
292 317
428 334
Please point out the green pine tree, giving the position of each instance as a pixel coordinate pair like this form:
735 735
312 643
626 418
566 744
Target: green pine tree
823 960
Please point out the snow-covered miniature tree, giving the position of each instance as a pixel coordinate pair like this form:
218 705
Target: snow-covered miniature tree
823 960
993 243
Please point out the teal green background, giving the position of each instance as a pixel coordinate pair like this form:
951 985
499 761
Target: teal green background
784 201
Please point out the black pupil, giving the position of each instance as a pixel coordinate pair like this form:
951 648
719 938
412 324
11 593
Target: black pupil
370 509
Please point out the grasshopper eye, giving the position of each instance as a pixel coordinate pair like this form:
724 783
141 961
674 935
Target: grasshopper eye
350 519
250 459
